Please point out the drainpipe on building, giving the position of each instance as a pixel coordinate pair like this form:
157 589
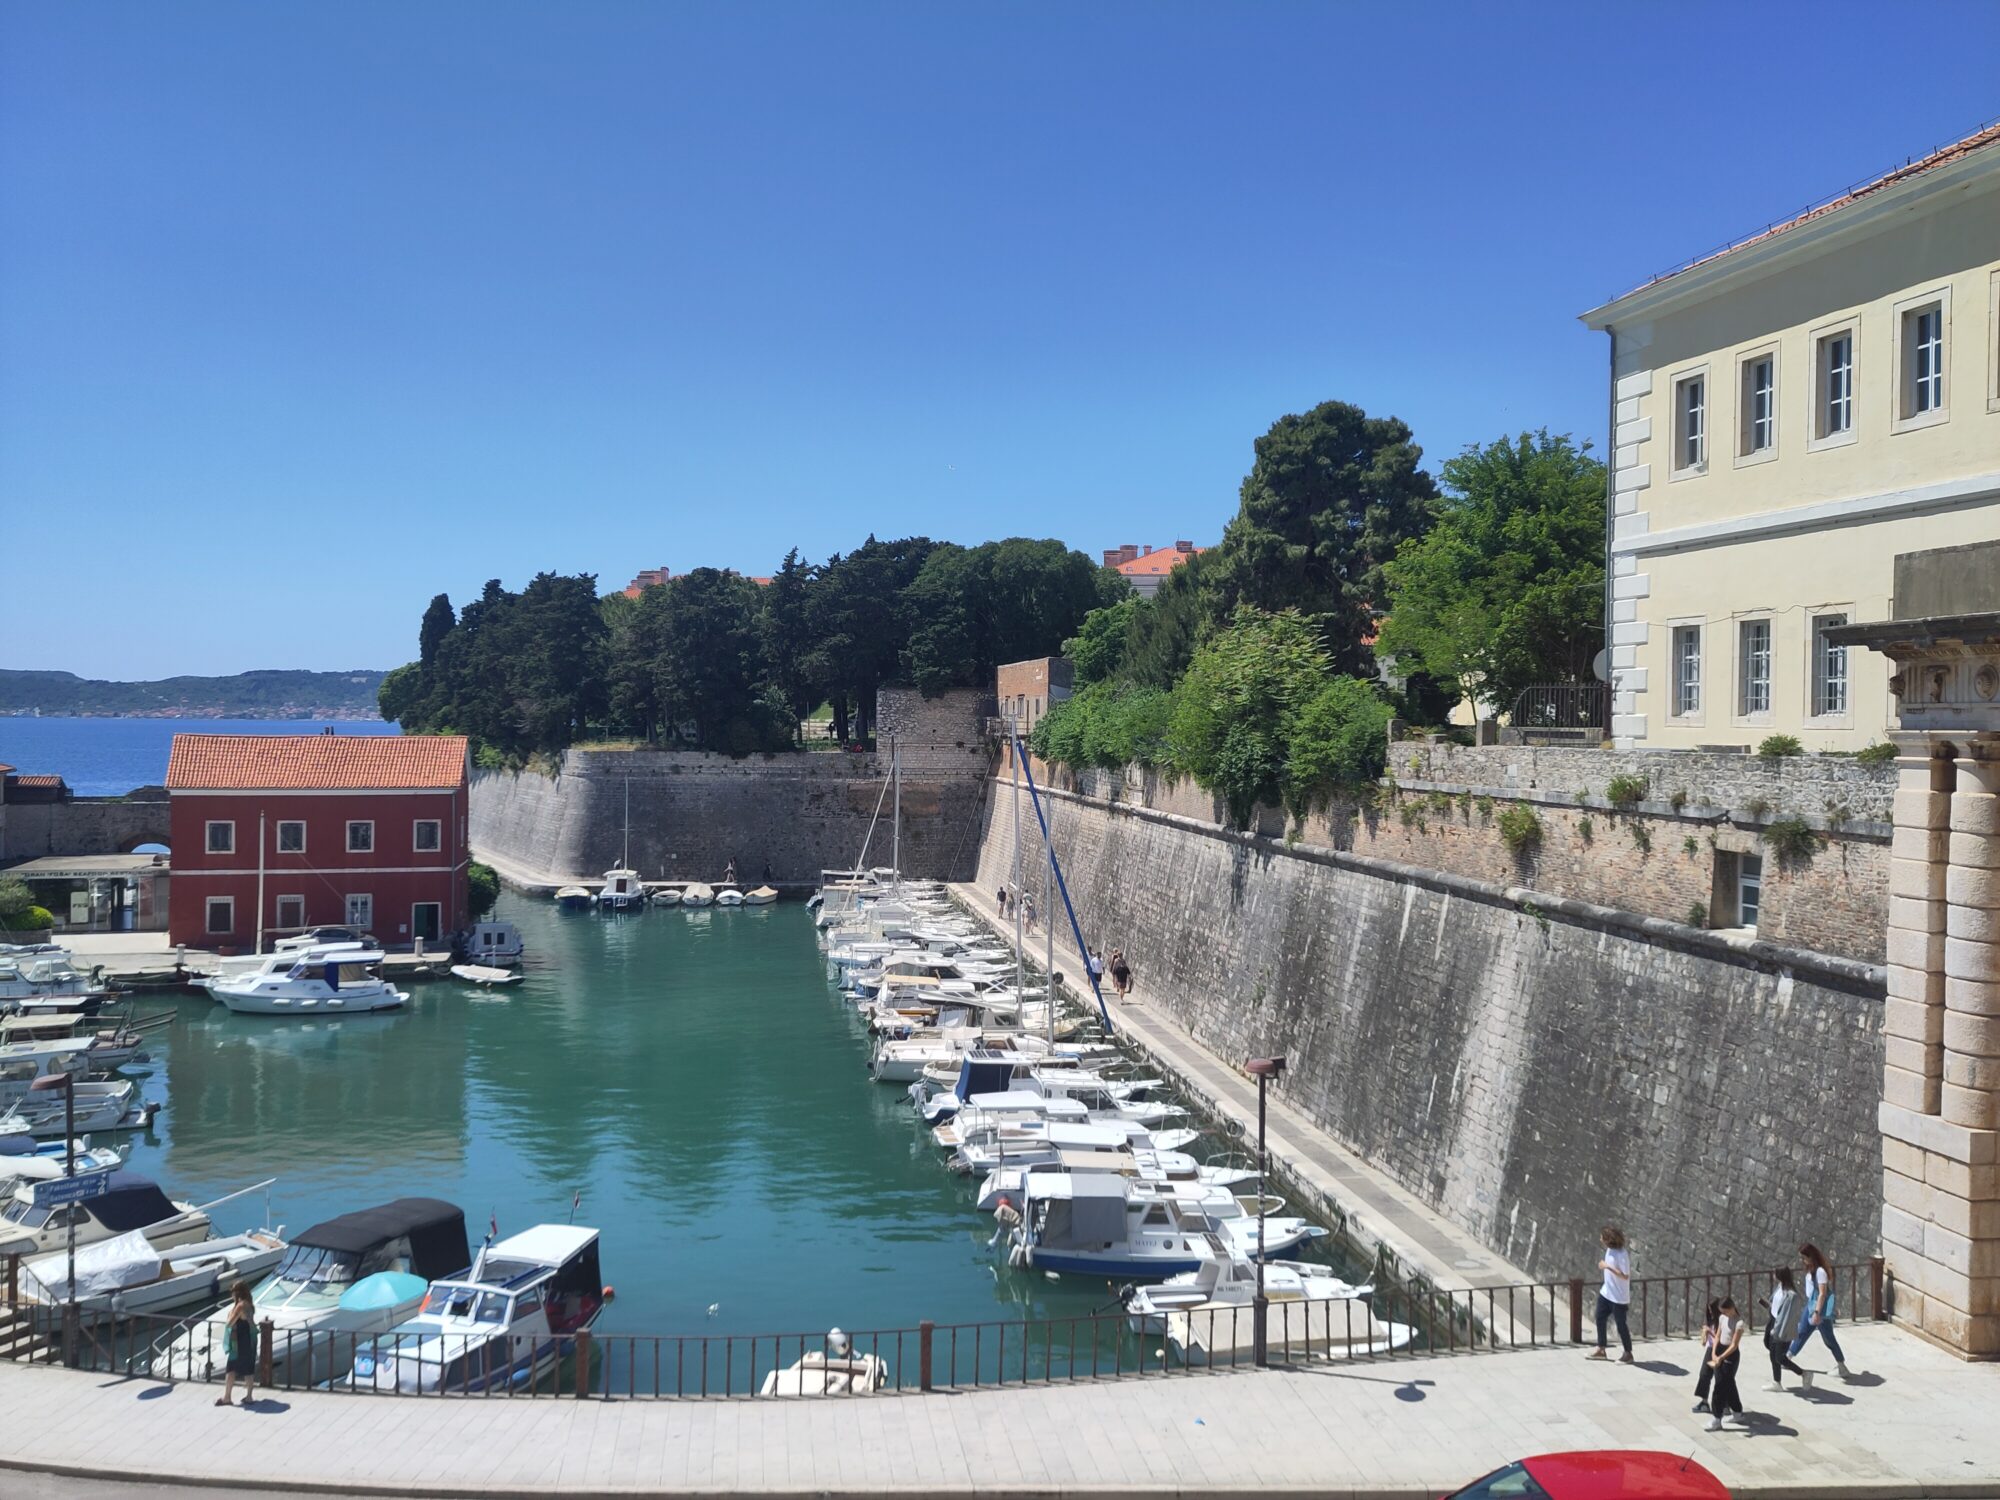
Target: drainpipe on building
1610 531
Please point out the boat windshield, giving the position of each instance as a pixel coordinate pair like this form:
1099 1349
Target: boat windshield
469 1302
311 1272
22 1212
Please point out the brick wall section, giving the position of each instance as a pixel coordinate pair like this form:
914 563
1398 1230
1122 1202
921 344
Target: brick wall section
1529 1077
1835 902
84 825
954 720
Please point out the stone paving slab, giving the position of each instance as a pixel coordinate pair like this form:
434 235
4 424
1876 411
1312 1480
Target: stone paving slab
1915 1422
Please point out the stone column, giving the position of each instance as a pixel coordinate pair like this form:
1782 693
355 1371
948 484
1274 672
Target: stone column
1913 1019
1972 945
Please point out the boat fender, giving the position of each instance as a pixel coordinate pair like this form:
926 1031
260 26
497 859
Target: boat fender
611 1294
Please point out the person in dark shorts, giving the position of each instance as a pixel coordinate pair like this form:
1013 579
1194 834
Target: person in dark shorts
1121 973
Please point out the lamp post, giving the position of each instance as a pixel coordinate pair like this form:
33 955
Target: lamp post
67 1083
1263 1069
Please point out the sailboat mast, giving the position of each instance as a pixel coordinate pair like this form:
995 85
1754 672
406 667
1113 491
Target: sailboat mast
625 855
1049 931
896 824
1014 755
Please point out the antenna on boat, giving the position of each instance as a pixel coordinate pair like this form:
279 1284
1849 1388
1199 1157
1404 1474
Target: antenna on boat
625 856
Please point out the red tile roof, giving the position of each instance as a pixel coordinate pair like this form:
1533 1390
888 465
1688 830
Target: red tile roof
315 762
1157 563
1979 140
4 769
38 781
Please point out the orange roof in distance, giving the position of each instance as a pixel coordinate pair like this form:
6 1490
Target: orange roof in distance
38 781
315 762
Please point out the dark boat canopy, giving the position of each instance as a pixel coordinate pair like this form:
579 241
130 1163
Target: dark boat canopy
131 1202
435 1231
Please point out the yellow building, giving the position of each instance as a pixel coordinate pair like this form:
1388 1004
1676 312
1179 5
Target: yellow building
1789 415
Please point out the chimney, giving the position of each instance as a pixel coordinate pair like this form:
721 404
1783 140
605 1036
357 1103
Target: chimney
1149 550
1128 552
1183 546
1111 557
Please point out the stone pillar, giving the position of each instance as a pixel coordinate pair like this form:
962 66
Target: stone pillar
1941 1163
1913 1017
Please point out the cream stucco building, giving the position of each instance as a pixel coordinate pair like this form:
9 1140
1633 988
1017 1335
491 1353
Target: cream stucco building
1789 415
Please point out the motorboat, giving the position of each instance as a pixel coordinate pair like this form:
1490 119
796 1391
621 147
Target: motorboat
835 1370
1225 1279
1100 1224
113 1104
728 896
52 1159
128 1202
320 983
482 975
1028 1140
111 1046
339 1284
494 944
697 894
575 898
516 1312
622 890
1084 1149
667 895
287 955
39 978
129 1276
23 1064
1209 1314
763 895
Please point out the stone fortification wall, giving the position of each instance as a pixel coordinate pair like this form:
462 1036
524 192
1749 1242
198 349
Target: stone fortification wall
1530 1066
83 825
1439 806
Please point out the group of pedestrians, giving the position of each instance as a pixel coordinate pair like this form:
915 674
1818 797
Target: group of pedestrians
1801 1307
1119 968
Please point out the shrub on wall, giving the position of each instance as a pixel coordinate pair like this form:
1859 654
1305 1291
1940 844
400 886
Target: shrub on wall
1623 791
1792 840
30 919
15 896
1520 829
483 888
1778 746
1881 753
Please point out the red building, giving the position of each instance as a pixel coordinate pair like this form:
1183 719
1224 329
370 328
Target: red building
365 831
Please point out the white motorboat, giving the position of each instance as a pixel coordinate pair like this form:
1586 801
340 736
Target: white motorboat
129 1276
99 1106
516 1312
1209 1311
835 1370
51 1160
129 1202
1093 1153
494 944
1099 1224
113 1044
336 983
667 895
575 898
622 890
285 956
38 978
728 896
483 976
697 894
763 895
339 1284
23 1064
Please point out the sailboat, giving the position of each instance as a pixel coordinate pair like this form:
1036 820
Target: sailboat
622 889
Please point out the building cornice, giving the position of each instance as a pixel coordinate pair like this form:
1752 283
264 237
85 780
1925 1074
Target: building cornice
1975 173
1956 494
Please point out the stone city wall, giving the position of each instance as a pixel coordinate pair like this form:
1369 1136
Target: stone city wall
1530 1066
1439 806
83 825
779 817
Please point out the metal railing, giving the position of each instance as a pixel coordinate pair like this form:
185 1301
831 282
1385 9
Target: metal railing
1560 711
1393 1324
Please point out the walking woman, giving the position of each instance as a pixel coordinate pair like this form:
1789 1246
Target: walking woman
1778 1332
239 1345
1121 973
1614 1297
1727 1356
1818 1292
1709 1317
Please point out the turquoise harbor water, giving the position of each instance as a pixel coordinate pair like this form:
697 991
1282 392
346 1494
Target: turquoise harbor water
691 1073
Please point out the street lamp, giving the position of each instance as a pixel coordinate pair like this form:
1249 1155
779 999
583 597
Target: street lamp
1263 1069
67 1083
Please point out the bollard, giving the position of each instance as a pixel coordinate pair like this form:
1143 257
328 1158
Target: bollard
582 1364
1576 1309
1876 1309
264 1353
924 1331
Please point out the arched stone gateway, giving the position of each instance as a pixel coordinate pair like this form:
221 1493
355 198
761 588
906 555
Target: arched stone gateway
1940 1109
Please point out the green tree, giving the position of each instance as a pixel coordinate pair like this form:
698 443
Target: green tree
709 670
796 667
859 618
482 888
1097 650
1507 589
439 617
15 897
1234 710
1330 497
1163 631
971 608
1338 742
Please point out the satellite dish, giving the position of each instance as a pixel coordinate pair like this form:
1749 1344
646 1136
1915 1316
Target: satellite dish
1600 665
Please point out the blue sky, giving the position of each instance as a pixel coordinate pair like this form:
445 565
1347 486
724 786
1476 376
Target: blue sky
308 311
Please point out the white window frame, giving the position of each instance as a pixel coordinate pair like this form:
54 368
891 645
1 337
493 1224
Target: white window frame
278 914
416 847
417 906
1818 436
1906 417
283 824
1820 618
208 927
1677 630
367 918
354 823
1745 714
208 843
1746 414
1685 464
1754 880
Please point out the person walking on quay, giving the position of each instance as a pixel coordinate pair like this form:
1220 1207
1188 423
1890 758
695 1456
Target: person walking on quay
1028 911
1818 1291
1778 1332
1121 973
1709 1317
1003 903
1727 1356
239 1345
1095 963
1614 1297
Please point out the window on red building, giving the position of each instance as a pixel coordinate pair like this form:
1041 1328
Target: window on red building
360 838
429 836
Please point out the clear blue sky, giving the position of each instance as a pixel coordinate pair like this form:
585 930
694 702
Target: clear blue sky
308 311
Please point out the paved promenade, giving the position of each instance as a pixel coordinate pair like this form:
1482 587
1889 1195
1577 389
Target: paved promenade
1916 1422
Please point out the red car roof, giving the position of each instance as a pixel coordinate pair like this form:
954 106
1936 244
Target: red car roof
1624 1474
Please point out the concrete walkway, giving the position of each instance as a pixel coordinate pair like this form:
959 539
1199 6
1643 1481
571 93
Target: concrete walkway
1915 1422
1378 1210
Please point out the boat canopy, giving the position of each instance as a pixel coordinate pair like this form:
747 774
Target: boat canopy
107 1266
434 1229
131 1202
985 1073
1087 1212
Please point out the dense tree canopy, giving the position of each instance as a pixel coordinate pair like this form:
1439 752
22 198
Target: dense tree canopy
972 608
1507 589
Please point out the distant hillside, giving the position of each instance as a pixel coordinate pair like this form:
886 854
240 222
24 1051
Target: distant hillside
247 695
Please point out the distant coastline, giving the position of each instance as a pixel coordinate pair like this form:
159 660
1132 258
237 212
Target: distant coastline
246 695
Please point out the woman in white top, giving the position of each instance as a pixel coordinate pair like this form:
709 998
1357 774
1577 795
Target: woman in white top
1778 1331
1726 1356
1819 1306
1614 1297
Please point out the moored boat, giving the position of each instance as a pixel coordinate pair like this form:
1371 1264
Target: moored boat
697 894
835 1370
324 982
622 890
763 895
575 898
